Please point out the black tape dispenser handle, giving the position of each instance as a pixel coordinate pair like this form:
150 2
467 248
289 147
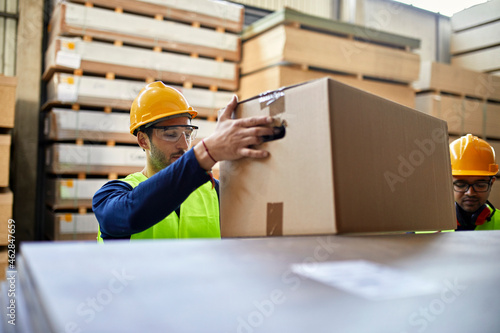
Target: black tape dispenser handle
279 133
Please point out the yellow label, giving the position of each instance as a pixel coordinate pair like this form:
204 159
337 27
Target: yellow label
68 80
68 183
68 218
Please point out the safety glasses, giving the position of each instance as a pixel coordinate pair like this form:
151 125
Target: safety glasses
479 187
173 133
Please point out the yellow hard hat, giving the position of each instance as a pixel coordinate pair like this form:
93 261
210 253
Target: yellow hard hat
155 102
471 156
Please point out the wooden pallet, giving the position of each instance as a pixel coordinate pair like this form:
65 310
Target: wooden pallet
275 77
72 193
65 158
65 226
90 91
314 49
290 17
70 54
89 22
440 77
463 115
217 14
95 126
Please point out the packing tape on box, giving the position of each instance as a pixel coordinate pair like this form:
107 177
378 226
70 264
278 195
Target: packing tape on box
274 100
274 219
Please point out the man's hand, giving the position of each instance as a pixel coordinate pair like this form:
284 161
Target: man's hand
234 138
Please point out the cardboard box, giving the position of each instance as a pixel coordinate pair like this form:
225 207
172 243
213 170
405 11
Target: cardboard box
279 76
462 115
68 54
71 19
8 86
6 202
441 77
350 162
5 142
71 226
291 37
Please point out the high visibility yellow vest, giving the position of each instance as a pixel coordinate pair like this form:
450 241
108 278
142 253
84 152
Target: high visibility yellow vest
199 215
493 224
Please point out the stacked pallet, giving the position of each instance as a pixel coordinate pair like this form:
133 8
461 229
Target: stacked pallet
7 111
475 40
289 47
468 100
98 59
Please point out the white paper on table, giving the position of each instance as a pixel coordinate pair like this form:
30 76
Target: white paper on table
367 279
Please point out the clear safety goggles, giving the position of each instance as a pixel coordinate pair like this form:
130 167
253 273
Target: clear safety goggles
173 133
463 187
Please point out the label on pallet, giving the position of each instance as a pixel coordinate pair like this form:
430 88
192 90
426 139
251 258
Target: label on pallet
67 92
68 59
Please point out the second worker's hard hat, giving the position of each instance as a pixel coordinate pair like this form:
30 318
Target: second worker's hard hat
155 102
472 156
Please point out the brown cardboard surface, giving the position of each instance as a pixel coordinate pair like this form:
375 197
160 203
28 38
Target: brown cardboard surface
463 115
5 141
6 202
4 262
8 86
350 162
442 77
279 76
304 47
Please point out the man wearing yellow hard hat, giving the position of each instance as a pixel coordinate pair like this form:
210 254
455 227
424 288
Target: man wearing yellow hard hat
473 167
175 195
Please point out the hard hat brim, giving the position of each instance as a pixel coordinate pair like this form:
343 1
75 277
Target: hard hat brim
473 173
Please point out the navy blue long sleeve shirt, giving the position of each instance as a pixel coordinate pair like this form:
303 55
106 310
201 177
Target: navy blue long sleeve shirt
122 210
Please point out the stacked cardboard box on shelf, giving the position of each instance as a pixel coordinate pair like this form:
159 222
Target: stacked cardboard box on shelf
8 87
98 59
468 100
289 47
475 40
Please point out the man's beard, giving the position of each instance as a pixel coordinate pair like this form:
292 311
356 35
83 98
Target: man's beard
158 159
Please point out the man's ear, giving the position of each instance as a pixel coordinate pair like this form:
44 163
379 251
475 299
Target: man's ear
493 180
143 140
